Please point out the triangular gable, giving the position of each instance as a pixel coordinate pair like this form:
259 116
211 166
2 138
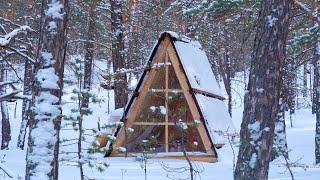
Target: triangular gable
193 76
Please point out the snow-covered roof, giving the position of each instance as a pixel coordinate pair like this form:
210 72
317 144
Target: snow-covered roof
217 118
200 75
197 66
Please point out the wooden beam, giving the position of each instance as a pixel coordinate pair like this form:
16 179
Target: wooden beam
192 105
209 158
142 93
167 90
206 93
157 123
166 104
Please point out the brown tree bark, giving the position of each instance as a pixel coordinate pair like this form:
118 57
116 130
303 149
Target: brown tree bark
262 98
5 123
27 90
118 60
43 144
89 54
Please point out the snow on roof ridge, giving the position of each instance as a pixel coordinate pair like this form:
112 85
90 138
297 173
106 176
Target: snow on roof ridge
177 36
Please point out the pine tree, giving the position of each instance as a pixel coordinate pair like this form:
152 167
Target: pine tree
262 99
43 145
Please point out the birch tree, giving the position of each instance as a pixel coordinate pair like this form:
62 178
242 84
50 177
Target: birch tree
263 93
43 145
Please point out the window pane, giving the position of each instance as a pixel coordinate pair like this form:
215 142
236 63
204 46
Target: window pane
149 138
159 80
191 140
152 108
178 107
173 80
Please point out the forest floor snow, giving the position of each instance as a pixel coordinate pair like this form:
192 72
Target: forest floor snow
300 139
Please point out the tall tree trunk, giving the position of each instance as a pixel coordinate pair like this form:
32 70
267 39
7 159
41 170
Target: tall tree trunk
280 147
43 144
5 123
305 80
317 98
89 54
262 99
118 60
30 7
27 90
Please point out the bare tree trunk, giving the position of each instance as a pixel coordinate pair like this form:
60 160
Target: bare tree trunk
262 99
89 54
316 103
225 71
43 145
316 99
5 123
118 60
227 81
305 81
27 84
280 147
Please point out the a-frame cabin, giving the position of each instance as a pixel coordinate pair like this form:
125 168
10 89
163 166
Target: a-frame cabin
177 85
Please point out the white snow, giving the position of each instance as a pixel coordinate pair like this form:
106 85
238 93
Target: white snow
121 149
45 106
172 33
260 90
152 108
5 40
55 10
47 58
52 27
253 160
130 130
47 78
163 110
271 20
182 125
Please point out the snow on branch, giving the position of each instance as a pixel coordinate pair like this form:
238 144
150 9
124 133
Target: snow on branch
311 13
7 38
108 76
14 94
6 83
9 96
22 54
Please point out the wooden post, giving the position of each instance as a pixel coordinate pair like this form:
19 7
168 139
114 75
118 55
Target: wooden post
166 103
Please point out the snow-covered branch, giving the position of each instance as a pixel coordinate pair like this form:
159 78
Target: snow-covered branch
9 96
14 94
121 71
311 14
6 83
6 39
22 54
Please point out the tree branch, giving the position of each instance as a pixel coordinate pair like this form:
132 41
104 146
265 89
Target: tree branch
311 14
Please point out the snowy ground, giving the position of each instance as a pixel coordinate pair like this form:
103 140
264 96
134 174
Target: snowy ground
300 141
